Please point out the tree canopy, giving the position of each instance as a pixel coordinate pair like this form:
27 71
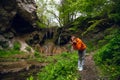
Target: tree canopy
68 10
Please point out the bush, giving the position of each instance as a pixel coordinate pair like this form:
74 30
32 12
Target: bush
28 48
107 58
63 69
17 45
40 25
37 54
115 17
8 52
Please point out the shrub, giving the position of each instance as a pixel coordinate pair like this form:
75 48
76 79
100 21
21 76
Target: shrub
115 17
8 52
63 69
107 58
17 45
36 53
28 48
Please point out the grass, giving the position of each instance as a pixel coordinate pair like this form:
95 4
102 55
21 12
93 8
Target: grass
11 51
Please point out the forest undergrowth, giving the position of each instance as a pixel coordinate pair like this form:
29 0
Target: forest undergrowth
64 67
61 67
107 57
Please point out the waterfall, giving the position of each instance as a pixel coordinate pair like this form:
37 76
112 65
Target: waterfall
59 39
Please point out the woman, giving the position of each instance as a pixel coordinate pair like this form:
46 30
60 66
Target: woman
78 44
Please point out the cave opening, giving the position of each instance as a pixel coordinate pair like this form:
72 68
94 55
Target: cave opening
20 25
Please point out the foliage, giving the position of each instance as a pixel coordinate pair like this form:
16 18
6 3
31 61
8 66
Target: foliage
62 67
16 45
115 17
90 46
108 57
112 10
30 78
92 27
69 10
40 24
41 57
41 12
73 29
14 50
6 53
47 13
28 48
36 54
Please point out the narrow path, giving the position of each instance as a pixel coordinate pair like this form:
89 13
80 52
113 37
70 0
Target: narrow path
89 72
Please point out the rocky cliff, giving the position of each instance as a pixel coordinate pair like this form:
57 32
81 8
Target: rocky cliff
16 17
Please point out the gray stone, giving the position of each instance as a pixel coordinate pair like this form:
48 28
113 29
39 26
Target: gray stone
3 42
26 9
9 35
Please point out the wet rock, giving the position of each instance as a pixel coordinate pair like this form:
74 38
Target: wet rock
27 9
3 42
16 17
8 35
19 70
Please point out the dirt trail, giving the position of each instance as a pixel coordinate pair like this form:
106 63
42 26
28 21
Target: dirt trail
89 72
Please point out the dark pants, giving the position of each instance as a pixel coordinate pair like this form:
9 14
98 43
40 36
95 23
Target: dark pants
81 58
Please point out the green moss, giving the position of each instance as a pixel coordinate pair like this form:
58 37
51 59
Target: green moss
28 48
92 27
40 25
16 45
9 52
14 50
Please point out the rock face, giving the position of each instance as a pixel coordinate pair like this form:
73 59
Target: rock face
16 17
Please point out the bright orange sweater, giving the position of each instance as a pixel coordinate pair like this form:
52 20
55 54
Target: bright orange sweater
78 45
